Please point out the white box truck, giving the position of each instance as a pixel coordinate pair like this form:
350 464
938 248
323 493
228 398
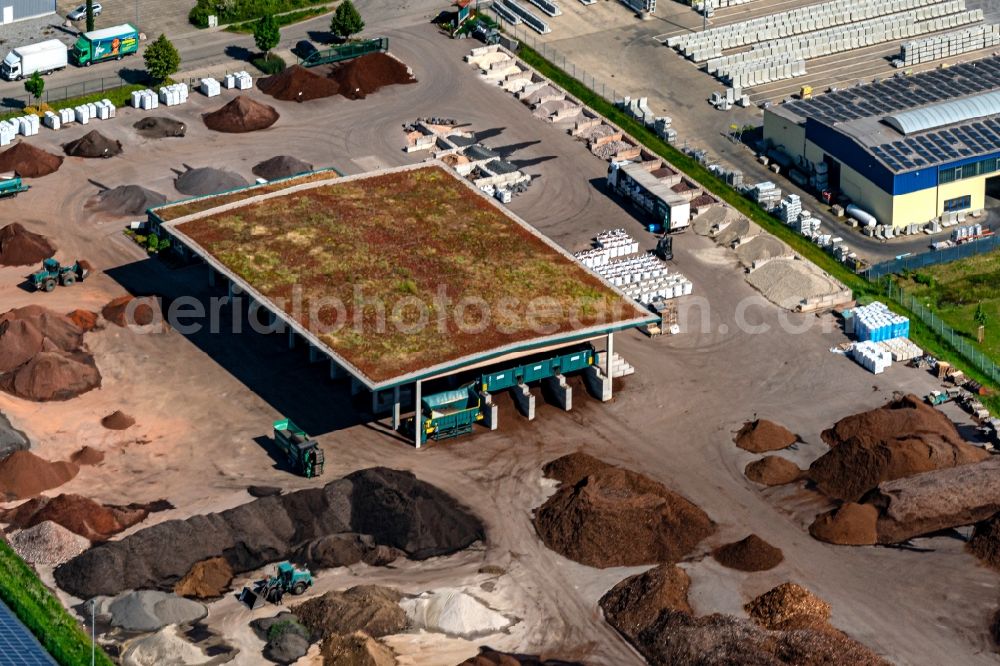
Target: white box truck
43 57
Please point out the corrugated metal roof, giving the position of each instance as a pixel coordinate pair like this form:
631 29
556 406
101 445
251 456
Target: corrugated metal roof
946 113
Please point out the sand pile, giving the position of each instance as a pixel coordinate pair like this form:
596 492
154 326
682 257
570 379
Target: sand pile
849 524
761 436
454 613
241 115
127 200
85 320
902 438
343 550
788 282
118 420
93 144
298 84
23 474
76 513
617 517
985 541
490 657
160 127
47 543
394 507
372 609
280 166
20 247
761 248
636 602
28 161
749 554
357 649
206 180
773 471
149 610
128 310
207 579
87 455
789 606
167 647
362 76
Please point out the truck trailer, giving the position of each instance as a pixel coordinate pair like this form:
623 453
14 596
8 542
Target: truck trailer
669 211
43 57
106 44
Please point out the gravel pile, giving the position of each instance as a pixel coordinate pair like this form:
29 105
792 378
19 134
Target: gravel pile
702 225
167 647
749 554
206 180
160 127
773 471
241 115
20 247
454 613
372 609
598 132
93 144
149 610
788 282
47 543
128 200
761 248
607 151
737 231
280 166
761 436
788 606
536 96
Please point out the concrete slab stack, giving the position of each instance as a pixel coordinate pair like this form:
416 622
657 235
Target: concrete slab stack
947 45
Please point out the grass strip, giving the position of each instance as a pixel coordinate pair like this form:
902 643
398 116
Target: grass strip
863 290
246 27
43 614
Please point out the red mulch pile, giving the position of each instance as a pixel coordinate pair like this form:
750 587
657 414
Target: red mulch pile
28 161
749 554
85 319
20 247
617 517
365 75
761 436
570 469
42 356
76 513
121 312
87 456
118 420
23 474
241 115
298 84
900 439
773 471
849 525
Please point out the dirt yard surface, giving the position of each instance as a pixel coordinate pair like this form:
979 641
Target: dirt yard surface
203 403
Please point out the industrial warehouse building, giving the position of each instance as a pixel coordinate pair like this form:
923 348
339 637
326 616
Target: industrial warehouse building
375 250
19 10
907 149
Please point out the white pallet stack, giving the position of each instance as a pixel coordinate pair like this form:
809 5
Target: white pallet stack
173 94
950 44
870 356
7 132
210 87
67 116
238 80
791 208
82 114
52 120
145 99
901 349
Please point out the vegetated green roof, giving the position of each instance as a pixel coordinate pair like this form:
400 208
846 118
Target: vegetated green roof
398 250
173 211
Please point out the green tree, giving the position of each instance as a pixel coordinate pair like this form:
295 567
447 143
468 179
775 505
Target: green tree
266 34
35 85
90 15
346 20
980 316
161 58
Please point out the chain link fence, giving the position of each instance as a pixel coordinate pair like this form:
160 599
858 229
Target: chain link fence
58 94
915 261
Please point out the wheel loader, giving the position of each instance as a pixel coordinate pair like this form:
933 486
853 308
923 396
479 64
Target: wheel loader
53 273
272 589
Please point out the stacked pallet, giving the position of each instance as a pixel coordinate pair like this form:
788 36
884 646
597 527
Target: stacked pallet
871 357
947 45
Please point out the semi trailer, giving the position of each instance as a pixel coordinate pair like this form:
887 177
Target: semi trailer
43 57
105 44
669 211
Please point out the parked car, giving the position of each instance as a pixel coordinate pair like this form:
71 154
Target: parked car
80 12
304 48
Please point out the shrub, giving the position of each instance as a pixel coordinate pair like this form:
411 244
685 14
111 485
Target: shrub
271 64
233 11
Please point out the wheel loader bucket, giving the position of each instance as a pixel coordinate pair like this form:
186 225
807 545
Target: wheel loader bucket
251 598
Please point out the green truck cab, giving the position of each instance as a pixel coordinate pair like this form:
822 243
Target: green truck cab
11 185
105 44
303 454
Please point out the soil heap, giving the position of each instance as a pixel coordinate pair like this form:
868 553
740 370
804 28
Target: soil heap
617 517
902 438
42 357
761 436
357 649
118 420
636 602
241 115
343 550
28 161
298 84
849 524
47 543
773 471
280 166
160 127
20 247
76 513
396 508
372 609
490 657
362 76
127 200
87 455
749 554
206 180
570 469
788 607
85 320
23 474
207 579
985 541
93 144
122 312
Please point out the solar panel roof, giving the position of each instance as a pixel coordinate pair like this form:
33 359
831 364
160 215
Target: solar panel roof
18 647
